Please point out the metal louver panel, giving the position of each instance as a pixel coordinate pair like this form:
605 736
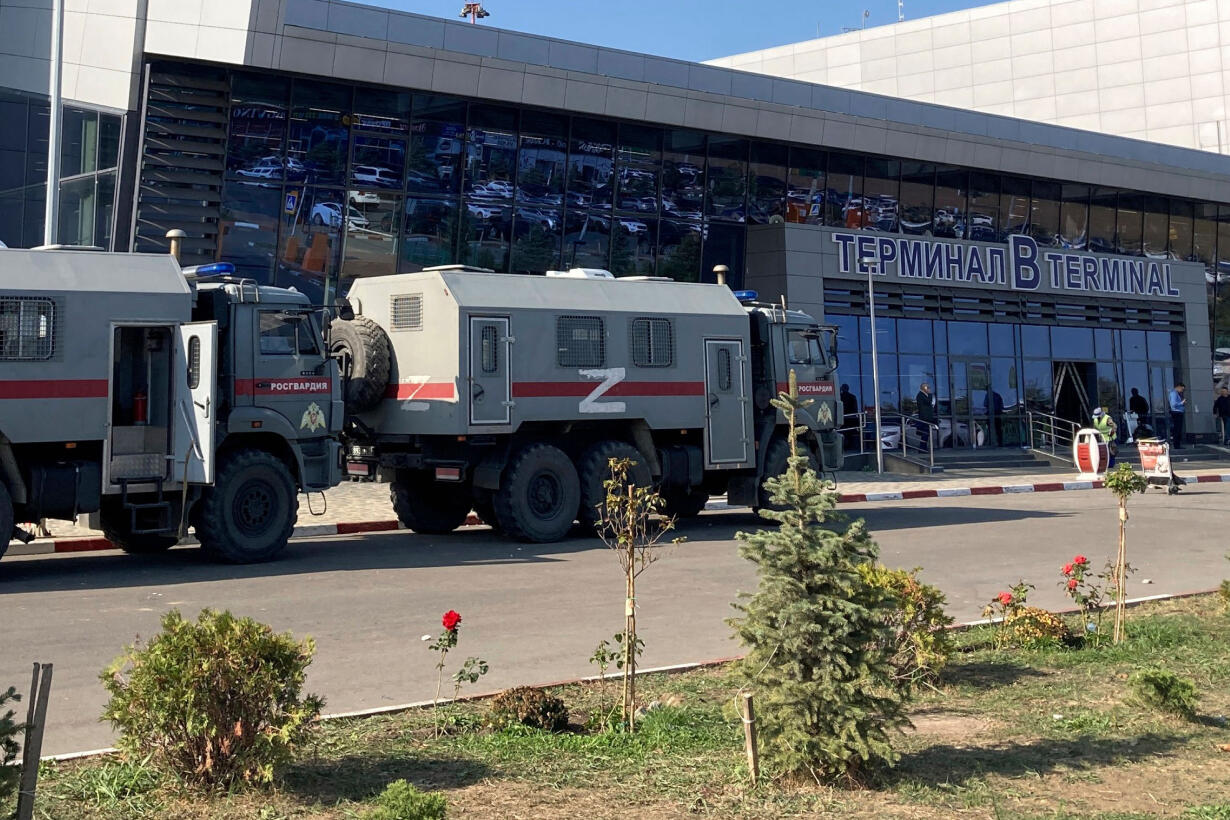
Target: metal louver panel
183 157
406 312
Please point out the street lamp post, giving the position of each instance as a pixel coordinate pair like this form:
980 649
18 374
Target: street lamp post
869 263
51 208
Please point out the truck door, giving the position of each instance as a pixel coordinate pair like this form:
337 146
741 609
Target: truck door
289 374
196 401
726 439
489 372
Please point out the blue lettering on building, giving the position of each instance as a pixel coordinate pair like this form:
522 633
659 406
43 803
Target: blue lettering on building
1022 266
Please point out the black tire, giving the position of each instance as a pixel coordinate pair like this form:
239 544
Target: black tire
366 360
317 219
484 506
681 504
539 495
249 513
426 506
777 460
594 470
6 518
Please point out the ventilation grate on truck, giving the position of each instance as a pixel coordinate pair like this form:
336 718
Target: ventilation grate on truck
406 312
183 152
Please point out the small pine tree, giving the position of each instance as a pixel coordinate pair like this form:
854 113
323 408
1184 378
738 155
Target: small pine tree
816 633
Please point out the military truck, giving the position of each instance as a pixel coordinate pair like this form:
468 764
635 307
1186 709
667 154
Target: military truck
153 397
508 394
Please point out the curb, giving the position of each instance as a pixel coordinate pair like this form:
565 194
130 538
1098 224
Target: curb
48 546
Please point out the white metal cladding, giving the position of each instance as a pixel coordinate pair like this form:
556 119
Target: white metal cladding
27 328
406 311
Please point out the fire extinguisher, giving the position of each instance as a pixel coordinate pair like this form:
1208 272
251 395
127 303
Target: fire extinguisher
140 408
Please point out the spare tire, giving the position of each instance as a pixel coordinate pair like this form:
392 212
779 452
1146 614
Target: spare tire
363 350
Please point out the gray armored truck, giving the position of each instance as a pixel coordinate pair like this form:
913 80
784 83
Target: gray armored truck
154 397
509 394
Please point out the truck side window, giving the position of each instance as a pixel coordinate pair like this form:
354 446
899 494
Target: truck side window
723 369
27 329
194 362
580 341
652 343
286 334
491 354
804 348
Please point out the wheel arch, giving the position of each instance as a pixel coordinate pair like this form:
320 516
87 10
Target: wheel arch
272 443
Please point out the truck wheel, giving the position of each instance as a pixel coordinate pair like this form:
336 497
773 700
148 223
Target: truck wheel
6 518
249 513
426 506
365 350
684 503
595 469
538 498
484 505
776 462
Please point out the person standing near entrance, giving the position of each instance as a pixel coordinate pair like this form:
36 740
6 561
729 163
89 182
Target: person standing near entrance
1178 407
849 412
926 409
1138 409
1221 411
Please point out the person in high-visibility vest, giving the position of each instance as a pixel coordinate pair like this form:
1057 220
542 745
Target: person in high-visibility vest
1104 424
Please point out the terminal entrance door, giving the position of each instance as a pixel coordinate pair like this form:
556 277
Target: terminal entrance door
1075 382
973 406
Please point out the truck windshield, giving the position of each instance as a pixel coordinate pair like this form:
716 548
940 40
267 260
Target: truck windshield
287 334
803 347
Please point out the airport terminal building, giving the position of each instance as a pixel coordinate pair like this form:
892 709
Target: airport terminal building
1015 265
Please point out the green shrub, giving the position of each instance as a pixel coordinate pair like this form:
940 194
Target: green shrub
919 645
1161 689
1223 592
531 707
1035 628
401 801
214 702
10 731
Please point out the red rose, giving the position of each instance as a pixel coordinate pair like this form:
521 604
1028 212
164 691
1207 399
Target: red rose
1004 598
1080 559
1071 583
1067 569
450 620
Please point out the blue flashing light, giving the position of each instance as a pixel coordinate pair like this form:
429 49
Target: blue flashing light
746 295
212 269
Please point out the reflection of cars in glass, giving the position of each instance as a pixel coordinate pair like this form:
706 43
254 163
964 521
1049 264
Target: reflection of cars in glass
537 217
330 213
375 175
364 198
261 171
633 226
494 188
1221 363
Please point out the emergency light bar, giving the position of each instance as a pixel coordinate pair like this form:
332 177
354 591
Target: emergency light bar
746 295
212 269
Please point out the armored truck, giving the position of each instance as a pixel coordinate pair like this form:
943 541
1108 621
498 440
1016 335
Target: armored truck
509 394
153 397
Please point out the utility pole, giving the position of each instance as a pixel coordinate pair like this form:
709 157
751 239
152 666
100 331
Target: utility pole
474 11
51 214
900 11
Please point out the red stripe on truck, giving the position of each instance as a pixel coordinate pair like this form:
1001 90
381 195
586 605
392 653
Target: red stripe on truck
423 391
542 390
282 387
54 389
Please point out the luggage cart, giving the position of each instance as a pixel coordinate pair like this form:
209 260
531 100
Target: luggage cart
1156 464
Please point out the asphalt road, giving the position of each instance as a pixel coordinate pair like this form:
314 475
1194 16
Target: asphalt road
536 612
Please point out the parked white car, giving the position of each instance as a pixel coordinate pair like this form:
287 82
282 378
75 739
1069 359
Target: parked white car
375 175
330 213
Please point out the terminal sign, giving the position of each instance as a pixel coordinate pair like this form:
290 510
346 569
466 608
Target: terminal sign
1022 266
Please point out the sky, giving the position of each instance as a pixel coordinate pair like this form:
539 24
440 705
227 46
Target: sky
685 29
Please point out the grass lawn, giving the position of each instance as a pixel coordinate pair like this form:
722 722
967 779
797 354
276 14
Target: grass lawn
1005 734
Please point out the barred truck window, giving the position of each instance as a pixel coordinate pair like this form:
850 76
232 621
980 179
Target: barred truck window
580 341
653 343
491 353
723 369
194 362
27 329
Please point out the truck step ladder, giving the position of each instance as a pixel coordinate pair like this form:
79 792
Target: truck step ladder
159 511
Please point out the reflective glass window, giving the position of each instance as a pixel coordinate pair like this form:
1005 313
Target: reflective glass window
847 331
723 245
381 111
1156 212
915 371
886 333
951 202
939 332
917 197
248 228
1102 209
1136 377
844 192
967 338
1036 341
77 204
1221 304
1003 341
436 136
1160 345
638 166
372 237
1044 212
542 160
1182 216
766 195
914 335
679 250
1110 395
255 148
683 174
983 221
1204 234
1074 217
1013 206
1073 342
311 241
1132 344
882 195
634 245
1102 343
591 164
491 149
318 138
806 191
429 233
537 233
1129 224
377 164
109 127
104 213
587 239
727 178
485 229
78 143
1038 382
1003 405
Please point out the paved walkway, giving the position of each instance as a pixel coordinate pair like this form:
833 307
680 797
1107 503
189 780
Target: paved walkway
364 507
